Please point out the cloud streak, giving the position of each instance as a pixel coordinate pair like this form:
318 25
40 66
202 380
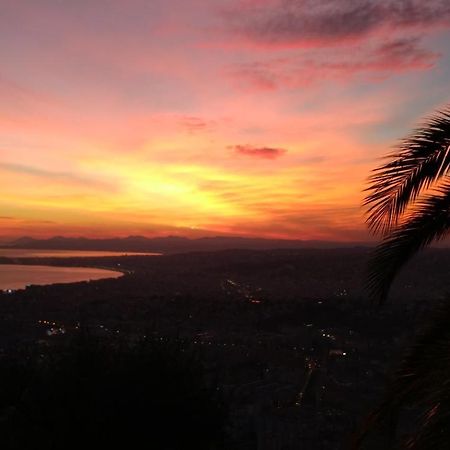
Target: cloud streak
194 124
387 58
312 23
53 176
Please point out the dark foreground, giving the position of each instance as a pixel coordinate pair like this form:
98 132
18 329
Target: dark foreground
295 354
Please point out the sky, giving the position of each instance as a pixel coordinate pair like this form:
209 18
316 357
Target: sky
208 117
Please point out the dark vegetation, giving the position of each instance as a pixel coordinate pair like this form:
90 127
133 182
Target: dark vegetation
107 394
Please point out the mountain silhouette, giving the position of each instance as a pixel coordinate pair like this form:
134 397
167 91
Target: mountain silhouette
171 244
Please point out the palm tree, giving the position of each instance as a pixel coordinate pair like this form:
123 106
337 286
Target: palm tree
419 393
409 200
408 203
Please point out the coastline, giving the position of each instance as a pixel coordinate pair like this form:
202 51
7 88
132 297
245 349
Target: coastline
68 264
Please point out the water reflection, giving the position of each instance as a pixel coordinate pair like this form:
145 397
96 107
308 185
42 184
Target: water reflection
15 276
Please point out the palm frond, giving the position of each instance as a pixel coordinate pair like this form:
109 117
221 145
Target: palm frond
419 161
429 221
434 434
423 384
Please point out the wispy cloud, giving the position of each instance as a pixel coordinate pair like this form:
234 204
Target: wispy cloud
386 58
306 23
64 177
193 124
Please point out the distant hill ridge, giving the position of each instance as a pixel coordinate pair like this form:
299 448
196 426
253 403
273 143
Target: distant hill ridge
171 244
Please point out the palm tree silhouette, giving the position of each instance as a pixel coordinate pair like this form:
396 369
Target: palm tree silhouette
409 200
408 203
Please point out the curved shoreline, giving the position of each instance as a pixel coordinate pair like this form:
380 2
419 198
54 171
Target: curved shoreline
20 276
96 266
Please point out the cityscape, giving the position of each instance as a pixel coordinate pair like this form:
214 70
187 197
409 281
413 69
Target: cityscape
298 352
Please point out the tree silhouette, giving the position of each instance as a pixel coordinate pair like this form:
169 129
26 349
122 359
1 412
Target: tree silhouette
409 200
409 205
91 394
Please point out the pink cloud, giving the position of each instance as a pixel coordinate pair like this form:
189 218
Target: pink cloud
312 23
387 58
259 152
193 124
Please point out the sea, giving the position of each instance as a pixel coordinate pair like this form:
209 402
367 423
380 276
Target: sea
19 276
32 253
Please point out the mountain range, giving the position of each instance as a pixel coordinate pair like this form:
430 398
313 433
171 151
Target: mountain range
171 244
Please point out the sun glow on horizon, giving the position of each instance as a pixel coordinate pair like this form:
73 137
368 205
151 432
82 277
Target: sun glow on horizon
204 118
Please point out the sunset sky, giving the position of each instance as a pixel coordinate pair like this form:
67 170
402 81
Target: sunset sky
208 117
